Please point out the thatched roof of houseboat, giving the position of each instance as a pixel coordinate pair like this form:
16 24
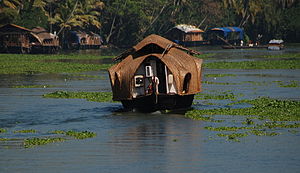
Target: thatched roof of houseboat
175 57
43 34
13 28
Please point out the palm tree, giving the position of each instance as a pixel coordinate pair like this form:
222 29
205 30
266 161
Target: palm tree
10 4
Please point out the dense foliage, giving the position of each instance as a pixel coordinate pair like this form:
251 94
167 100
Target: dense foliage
124 22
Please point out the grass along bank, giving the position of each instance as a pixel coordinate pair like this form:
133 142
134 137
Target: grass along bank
31 64
259 64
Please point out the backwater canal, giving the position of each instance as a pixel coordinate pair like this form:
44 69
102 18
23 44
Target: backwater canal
150 143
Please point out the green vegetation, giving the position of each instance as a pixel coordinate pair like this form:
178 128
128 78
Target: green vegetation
291 84
81 135
270 114
33 86
124 23
218 83
263 133
219 96
63 135
219 75
3 130
288 55
205 56
267 64
31 142
233 136
226 128
30 64
264 107
25 131
90 96
57 132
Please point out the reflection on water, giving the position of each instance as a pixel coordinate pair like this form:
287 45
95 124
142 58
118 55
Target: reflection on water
138 142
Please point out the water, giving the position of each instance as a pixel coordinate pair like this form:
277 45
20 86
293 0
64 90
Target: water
136 142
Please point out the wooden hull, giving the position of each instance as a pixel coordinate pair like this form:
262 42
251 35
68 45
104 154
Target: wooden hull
161 102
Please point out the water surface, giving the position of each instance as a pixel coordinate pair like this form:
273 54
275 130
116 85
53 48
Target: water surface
137 142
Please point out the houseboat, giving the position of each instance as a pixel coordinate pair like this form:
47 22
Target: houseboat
186 35
156 74
275 45
83 40
225 35
47 42
16 39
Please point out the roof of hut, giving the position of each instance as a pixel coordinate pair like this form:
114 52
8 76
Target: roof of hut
42 33
172 55
13 28
188 28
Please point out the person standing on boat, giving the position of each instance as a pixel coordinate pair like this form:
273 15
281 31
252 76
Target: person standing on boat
155 83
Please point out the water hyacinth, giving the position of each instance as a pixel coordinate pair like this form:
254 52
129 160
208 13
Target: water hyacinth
271 114
3 130
31 142
25 131
90 96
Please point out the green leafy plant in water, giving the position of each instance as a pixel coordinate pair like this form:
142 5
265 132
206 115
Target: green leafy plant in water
264 107
25 131
81 135
226 128
3 130
291 84
221 96
58 132
263 133
248 121
90 96
31 142
233 136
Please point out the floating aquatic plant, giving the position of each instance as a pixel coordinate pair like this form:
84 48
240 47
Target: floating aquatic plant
81 135
233 136
263 133
266 108
226 128
31 142
291 84
25 131
90 96
220 96
276 114
3 130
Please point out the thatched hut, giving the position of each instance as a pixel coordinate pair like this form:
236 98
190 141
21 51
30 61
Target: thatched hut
156 74
186 35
